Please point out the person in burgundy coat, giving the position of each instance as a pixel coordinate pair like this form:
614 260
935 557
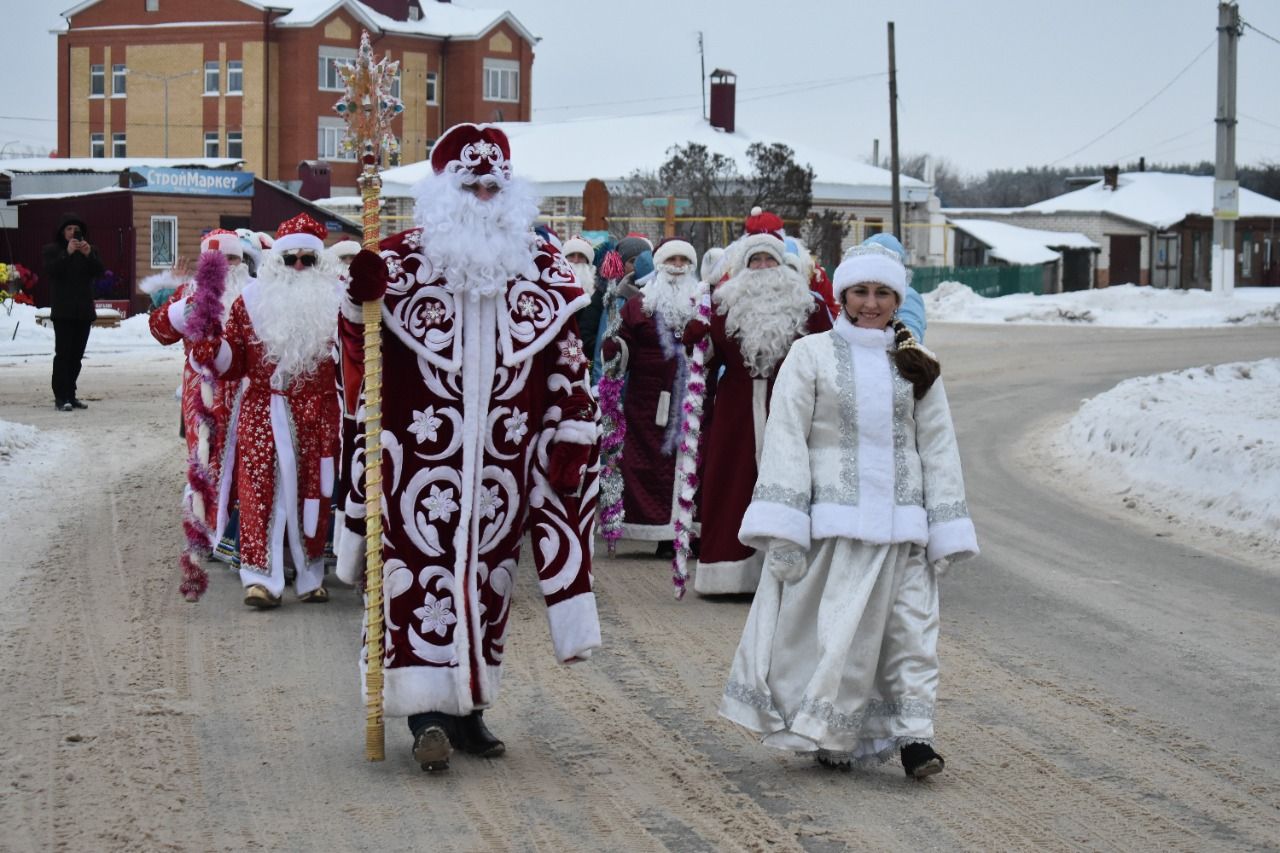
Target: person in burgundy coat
756 315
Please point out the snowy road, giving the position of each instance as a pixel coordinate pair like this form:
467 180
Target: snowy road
1106 684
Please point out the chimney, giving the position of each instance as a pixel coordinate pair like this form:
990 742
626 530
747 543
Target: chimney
1142 164
724 85
314 175
875 152
1111 177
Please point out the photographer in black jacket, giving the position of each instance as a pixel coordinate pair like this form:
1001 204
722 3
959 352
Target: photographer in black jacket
72 266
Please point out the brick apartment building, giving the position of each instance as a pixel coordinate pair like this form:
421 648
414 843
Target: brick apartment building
255 79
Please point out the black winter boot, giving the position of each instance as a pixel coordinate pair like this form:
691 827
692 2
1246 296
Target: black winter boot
919 760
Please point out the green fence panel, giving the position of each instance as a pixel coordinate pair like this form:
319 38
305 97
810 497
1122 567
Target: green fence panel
988 282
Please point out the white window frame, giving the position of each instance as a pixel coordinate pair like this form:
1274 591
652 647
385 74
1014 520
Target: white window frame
97 145
119 73
98 73
502 80
164 236
1246 257
211 137
212 77
395 84
329 140
433 88
235 76
235 143
119 145
329 78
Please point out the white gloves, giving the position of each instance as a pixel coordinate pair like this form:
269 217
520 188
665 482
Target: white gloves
940 566
786 561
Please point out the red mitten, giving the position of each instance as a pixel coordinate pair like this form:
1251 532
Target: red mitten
206 351
695 331
367 277
610 348
566 465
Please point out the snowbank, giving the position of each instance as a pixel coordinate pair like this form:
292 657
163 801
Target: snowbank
1201 444
15 437
21 339
1125 305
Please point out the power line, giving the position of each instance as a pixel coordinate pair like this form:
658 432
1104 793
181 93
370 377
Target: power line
1147 148
798 85
1260 121
1245 23
1144 105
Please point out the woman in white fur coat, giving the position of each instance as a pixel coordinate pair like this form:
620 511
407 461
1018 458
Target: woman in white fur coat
859 506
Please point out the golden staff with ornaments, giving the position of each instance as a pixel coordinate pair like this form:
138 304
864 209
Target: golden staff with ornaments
368 108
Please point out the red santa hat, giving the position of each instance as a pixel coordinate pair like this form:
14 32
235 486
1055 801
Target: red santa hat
578 243
476 149
762 221
300 232
672 247
222 240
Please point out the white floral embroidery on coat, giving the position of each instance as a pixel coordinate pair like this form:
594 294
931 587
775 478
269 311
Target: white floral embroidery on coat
517 426
440 504
425 424
436 614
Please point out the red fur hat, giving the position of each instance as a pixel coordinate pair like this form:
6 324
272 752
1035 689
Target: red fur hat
224 241
478 149
764 222
300 232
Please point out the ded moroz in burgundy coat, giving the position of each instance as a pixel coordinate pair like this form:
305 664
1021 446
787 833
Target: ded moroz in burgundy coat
731 451
477 393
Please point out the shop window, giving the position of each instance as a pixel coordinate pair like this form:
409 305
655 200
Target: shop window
1246 257
501 80
97 81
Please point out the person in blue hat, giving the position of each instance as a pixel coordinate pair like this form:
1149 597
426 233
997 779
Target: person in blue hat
911 311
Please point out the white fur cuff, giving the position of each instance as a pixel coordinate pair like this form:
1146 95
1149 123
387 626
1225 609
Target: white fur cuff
326 476
221 362
178 315
350 310
765 520
575 626
577 432
310 516
955 540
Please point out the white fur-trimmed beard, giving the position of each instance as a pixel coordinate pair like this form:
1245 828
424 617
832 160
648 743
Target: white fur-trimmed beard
237 278
765 310
477 245
585 274
295 316
675 297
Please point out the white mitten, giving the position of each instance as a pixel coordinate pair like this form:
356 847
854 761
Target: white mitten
786 561
940 566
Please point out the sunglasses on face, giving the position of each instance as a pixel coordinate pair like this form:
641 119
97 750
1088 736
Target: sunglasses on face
307 260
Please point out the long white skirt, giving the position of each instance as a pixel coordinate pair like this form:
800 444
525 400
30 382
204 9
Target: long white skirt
846 658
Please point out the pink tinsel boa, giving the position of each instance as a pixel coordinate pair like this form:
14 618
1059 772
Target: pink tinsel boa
205 323
689 458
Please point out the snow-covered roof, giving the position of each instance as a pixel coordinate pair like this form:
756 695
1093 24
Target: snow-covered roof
38 196
1016 245
34 165
560 157
439 19
1159 199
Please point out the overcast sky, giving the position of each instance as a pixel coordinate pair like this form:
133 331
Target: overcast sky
982 83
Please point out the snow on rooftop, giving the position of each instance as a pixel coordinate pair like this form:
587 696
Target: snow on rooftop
38 196
34 165
1016 245
1159 199
561 156
438 19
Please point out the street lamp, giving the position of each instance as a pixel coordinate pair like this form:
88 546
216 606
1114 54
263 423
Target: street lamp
165 78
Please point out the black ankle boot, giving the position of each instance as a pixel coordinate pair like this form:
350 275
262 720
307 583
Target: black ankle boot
919 760
471 735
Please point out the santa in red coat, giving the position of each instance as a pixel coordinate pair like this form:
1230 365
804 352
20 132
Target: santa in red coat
280 338
657 371
169 324
489 434
756 315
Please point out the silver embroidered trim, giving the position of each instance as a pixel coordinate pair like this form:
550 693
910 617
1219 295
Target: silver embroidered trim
847 491
257 570
749 696
948 512
911 709
849 759
903 396
790 498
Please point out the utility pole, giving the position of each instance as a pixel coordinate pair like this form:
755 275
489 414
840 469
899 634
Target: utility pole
164 80
702 59
893 137
1226 189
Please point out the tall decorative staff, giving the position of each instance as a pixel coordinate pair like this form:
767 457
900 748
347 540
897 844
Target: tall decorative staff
368 108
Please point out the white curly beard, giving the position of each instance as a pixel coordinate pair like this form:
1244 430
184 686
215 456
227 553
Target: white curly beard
674 297
237 278
477 245
764 310
295 316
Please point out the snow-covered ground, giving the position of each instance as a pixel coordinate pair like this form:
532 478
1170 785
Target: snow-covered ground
1121 305
22 339
1201 445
